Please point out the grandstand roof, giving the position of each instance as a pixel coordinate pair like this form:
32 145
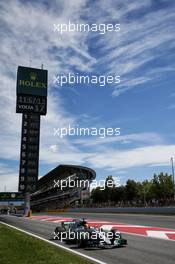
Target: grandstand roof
60 172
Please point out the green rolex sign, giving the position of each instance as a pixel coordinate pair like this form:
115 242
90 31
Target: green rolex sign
31 81
31 90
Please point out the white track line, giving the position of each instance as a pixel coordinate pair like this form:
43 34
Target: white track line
57 245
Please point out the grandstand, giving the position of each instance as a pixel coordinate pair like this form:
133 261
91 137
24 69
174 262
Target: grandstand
62 187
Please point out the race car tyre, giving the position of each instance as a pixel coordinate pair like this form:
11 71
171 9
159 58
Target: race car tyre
57 233
81 243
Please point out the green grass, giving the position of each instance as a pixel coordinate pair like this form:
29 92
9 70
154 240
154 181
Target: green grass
19 248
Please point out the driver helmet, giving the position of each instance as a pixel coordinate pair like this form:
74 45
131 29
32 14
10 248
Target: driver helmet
86 225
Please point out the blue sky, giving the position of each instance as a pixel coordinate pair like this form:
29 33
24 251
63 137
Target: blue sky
142 105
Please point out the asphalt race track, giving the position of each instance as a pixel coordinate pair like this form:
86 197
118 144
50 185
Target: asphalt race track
136 219
140 250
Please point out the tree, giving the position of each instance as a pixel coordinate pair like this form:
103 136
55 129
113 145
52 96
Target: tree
162 186
118 194
131 190
144 191
109 188
97 195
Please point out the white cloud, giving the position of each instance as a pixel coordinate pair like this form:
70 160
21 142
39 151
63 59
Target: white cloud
137 157
171 107
144 138
27 33
141 41
9 180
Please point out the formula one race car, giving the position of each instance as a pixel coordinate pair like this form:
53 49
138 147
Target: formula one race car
80 233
